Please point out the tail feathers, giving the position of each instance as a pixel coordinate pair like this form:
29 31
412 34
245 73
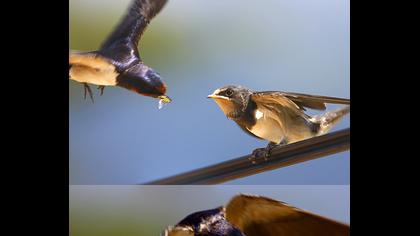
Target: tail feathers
329 119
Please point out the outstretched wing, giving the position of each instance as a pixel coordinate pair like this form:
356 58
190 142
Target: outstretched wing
301 100
256 215
123 41
274 98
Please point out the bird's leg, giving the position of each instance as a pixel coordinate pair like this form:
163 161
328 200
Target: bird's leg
262 152
88 90
101 87
265 152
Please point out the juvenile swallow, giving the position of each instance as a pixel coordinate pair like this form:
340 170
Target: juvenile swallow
275 116
247 215
117 62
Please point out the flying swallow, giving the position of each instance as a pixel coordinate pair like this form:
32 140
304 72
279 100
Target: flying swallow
247 215
117 62
275 116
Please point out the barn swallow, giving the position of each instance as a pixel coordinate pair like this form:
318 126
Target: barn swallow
117 62
247 215
275 116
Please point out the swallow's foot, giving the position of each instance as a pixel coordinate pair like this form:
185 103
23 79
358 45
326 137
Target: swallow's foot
262 153
88 90
101 87
265 152
258 154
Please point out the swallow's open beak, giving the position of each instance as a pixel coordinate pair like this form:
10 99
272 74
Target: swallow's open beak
214 96
178 231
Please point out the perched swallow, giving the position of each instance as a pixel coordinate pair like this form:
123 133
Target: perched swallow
117 62
247 215
278 117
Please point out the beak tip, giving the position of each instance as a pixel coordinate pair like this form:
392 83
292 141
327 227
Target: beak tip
165 99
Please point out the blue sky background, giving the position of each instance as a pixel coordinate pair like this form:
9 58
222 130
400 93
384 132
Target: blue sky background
197 46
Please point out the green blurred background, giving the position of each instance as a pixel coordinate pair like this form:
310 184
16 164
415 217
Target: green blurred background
147 210
198 46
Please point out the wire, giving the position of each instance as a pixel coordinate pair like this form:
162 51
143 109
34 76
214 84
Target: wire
281 156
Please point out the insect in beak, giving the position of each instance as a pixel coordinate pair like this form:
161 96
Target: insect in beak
163 100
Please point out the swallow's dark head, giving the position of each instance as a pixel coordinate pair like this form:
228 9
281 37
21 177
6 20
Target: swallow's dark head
204 223
143 80
232 99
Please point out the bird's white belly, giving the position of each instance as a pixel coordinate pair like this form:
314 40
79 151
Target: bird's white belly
84 74
268 129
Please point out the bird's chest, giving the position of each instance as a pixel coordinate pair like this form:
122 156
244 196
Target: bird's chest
97 76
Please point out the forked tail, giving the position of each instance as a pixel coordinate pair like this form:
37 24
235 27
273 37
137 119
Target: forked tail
330 119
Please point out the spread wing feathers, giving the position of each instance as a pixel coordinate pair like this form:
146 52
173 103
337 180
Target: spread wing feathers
273 98
302 100
91 60
131 27
256 215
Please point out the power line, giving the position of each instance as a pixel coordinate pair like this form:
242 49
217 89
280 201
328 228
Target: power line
290 154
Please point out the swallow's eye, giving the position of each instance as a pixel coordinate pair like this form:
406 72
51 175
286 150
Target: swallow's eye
229 92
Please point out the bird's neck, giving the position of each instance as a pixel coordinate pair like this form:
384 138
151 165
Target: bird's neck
245 115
